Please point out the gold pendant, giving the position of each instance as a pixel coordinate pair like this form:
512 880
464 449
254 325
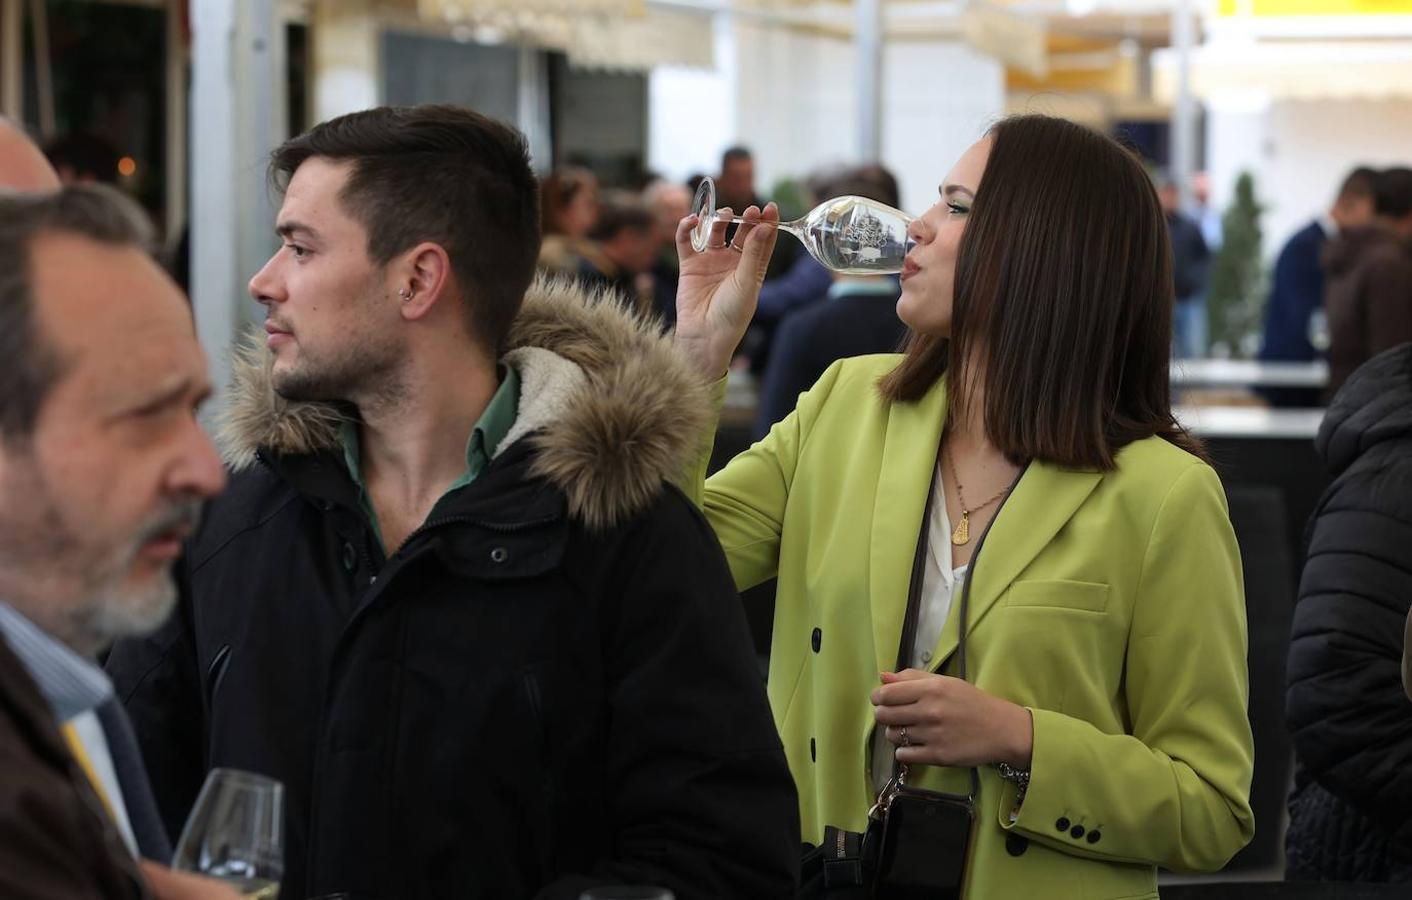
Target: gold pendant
962 532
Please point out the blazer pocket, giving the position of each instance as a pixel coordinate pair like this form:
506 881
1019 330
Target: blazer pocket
1084 595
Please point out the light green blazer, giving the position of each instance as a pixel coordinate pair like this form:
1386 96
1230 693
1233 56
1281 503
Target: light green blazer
1111 605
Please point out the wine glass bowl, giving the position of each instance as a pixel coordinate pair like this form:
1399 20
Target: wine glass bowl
850 235
856 236
235 833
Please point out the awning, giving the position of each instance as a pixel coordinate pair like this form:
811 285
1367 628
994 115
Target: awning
602 34
465 10
1292 69
643 34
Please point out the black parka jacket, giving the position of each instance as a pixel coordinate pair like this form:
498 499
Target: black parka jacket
548 686
1351 809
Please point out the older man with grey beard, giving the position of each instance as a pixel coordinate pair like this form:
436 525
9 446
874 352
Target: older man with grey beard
103 469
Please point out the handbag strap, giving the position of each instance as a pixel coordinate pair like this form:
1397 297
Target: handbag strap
906 647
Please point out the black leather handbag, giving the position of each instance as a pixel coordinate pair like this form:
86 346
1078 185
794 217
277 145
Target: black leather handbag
917 841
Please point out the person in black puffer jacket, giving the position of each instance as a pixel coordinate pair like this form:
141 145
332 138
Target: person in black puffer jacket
1351 808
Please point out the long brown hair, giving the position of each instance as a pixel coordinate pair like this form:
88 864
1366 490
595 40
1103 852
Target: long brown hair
1062 304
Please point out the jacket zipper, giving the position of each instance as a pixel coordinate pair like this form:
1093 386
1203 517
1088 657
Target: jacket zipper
536 702
501 528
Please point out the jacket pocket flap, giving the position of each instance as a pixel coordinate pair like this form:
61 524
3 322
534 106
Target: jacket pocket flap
1085 595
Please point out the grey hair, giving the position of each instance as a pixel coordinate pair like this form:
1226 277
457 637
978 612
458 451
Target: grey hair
29 364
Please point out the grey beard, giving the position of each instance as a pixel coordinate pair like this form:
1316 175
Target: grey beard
56 582
111 610
123 612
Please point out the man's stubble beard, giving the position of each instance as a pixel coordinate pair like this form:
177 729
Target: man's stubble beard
361 368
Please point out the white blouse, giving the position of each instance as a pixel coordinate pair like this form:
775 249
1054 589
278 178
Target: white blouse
940 583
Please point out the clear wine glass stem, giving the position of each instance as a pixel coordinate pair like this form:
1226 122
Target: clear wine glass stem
795 228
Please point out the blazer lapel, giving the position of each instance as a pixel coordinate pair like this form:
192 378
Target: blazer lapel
1044 500
908 467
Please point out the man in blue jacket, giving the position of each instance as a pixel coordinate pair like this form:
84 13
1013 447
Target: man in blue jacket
1297 289
857 315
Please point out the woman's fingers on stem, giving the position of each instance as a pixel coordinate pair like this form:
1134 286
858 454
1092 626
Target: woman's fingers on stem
758 247
718 228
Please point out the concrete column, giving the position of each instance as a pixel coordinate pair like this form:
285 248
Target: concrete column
43 69
533 114
12 59
177 123
237 104
1183 136
868 39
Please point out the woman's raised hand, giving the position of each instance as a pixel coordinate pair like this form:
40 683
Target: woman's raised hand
719 286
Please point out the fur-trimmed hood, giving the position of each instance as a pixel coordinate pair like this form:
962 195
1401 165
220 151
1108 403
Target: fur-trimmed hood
612 408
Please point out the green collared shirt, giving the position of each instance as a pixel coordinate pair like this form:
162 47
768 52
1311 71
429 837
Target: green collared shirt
487 434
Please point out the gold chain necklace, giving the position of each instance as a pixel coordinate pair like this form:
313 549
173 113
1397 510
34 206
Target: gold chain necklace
961 534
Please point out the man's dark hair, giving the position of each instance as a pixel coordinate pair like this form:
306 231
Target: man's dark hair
1361 182
444 174
1392 193
735 154
888 190
29 364
873 182
615 217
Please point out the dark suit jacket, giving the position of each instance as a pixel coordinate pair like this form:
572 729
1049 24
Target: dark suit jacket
56 841
1297 290
1191 258
810 340
1296 293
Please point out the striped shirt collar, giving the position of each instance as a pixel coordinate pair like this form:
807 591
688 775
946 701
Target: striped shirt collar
71 684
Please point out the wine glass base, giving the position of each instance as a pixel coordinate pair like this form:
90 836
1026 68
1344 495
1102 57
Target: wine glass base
703 206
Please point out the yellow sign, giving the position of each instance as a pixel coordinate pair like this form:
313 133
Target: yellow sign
1316 7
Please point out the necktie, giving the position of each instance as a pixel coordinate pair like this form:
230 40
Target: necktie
147 827
81 757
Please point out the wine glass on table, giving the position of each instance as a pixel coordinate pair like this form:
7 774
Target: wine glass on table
235 833
850 235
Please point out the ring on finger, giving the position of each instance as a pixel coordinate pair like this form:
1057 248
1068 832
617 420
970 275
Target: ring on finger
902 736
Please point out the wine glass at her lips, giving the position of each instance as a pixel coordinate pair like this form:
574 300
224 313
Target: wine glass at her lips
850 235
